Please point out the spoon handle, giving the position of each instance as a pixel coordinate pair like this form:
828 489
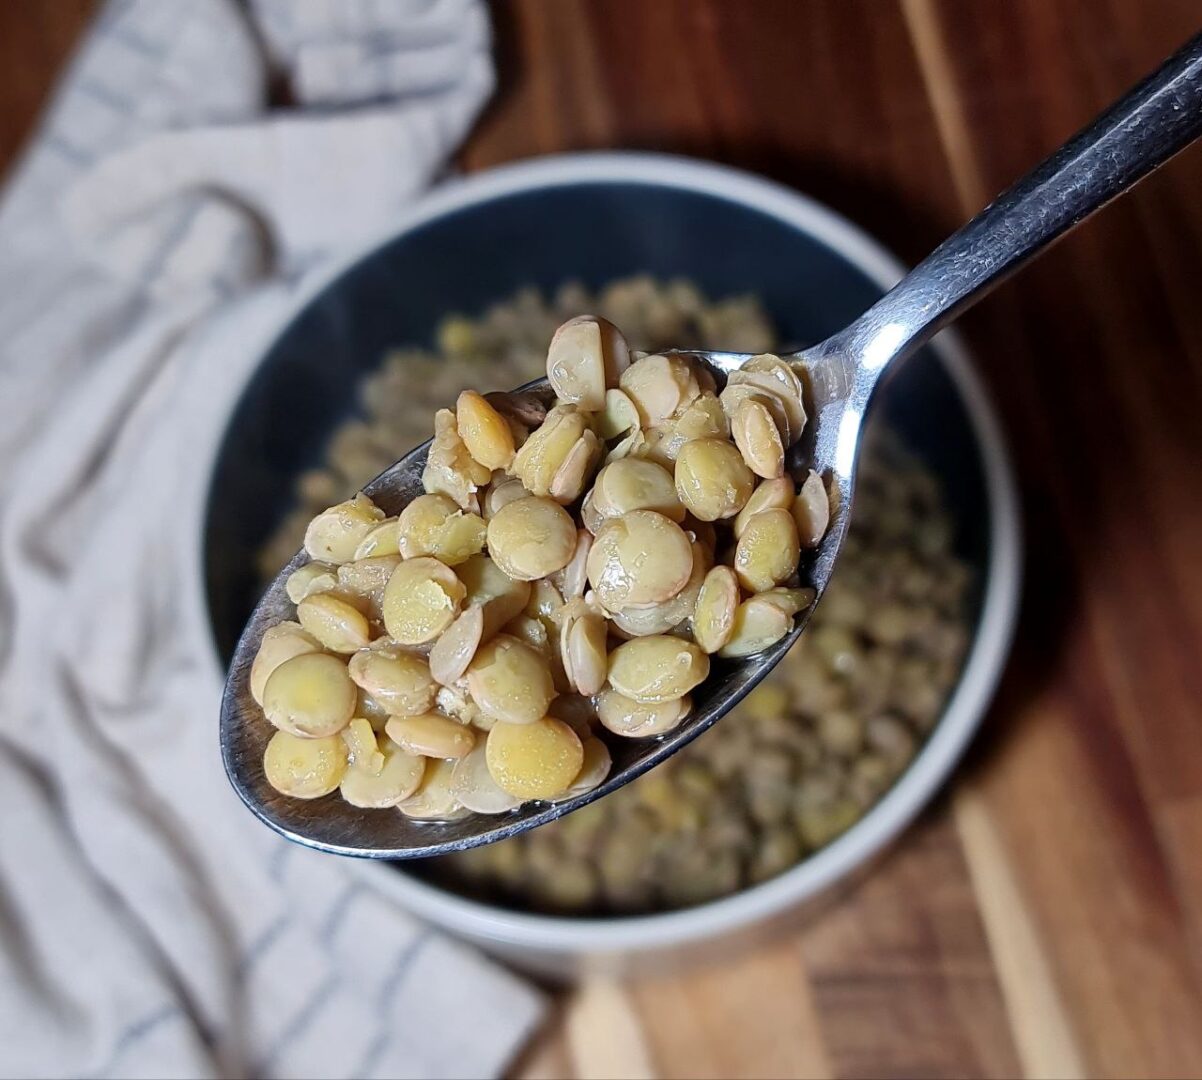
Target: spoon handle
1133 137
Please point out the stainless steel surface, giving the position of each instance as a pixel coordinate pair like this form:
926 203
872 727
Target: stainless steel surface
1138 134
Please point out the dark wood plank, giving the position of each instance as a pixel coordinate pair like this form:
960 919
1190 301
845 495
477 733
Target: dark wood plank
755 85
1094 354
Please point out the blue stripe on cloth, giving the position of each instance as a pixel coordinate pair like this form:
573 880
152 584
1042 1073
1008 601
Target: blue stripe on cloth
97 91
139 1029
388 992
74 154
333 920
296 1025
134 41
278 861
261 944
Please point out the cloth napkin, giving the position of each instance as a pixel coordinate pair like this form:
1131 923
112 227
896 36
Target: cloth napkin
160 222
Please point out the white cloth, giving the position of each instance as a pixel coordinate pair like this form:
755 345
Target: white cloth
161 220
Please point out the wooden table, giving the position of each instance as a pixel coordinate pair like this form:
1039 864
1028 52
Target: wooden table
1045 918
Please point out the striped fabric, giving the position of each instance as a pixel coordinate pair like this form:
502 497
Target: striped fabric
160 222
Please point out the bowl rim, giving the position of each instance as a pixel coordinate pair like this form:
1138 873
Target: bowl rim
986 657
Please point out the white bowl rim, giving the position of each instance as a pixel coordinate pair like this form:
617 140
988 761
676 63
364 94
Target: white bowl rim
985 661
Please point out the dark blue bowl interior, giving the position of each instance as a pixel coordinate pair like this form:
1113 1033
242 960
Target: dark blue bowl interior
470 258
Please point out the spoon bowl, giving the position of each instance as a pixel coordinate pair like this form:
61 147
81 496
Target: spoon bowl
338 827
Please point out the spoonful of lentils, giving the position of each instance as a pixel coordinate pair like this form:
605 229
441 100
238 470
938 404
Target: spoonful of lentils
571 581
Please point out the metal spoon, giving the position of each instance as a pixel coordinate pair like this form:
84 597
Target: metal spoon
1137 135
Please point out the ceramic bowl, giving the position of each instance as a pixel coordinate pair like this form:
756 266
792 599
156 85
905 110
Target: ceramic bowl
596 217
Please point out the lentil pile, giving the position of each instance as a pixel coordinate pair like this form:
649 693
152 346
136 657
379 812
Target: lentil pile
606 513
800 760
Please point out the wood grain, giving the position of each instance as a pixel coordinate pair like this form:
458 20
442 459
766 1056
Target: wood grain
605 1033
754 1018
1045 919
904 981
1035 1008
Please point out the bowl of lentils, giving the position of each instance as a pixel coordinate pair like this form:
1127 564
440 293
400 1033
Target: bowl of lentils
833 754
